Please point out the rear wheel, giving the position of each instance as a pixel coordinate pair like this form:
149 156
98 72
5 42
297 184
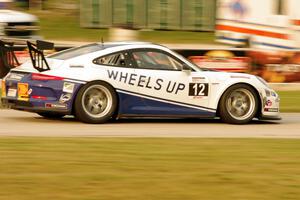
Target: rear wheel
238 104
95 103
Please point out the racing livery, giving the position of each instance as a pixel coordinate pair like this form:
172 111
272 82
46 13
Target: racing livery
100 81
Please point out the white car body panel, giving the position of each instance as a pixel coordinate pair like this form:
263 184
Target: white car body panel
160 85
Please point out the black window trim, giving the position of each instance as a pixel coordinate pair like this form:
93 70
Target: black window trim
127 59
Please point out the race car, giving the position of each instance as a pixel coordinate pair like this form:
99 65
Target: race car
102 81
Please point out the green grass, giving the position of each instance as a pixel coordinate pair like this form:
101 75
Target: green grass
289 101
65 26
114 168
58 25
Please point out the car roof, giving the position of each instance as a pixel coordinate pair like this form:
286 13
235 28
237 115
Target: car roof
119 43
106 45
104 48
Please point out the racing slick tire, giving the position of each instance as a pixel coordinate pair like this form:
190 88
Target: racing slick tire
239 104
95 103
51 115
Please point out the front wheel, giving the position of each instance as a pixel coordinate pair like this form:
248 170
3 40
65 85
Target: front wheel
238 104
95 103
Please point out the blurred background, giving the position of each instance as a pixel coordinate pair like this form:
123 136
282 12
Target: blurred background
258 36
225 35
89 20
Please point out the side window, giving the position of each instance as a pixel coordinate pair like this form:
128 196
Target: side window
117 60
150 59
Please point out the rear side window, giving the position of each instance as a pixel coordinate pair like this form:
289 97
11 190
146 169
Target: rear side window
116 59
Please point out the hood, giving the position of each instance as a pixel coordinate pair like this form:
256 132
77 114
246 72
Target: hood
224 76
16 16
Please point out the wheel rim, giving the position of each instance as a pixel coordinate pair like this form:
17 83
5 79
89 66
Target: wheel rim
96 101
241 104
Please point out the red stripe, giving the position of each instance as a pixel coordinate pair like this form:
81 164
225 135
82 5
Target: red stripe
296 22
227 69
252 31
39 97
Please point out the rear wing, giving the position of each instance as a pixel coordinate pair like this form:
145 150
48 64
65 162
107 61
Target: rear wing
37 56
8 59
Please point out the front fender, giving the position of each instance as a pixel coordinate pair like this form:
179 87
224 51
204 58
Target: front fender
219 88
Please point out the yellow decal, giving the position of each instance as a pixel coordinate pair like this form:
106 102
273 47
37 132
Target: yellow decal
23 92
3 93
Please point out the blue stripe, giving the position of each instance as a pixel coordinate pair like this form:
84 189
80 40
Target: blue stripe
231 39
161 99
131 104
274 45
257 43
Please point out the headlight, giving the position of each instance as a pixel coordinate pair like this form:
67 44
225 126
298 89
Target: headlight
262 81
268 92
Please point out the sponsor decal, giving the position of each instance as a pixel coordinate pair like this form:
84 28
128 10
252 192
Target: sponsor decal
268 103
23 92
147 82
198 89
65 98
29 91
12 92
198 79
52 105
234 76
68 87
271 109
3 91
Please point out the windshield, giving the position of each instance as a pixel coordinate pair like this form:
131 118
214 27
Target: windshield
195 67
77 51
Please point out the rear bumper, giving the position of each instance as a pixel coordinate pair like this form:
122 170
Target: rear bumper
28 106
38 92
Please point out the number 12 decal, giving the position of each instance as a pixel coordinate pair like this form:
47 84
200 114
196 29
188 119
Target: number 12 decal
198 89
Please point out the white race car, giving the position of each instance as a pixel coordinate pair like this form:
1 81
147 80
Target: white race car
100 81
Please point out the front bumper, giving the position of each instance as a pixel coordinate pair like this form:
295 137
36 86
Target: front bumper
269 105
270 118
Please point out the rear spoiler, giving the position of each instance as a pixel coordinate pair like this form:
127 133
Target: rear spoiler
37 56
8 59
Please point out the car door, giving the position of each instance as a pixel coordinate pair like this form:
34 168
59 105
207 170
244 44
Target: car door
167 86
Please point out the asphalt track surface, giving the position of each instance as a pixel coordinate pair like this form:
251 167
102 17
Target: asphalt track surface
18 123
